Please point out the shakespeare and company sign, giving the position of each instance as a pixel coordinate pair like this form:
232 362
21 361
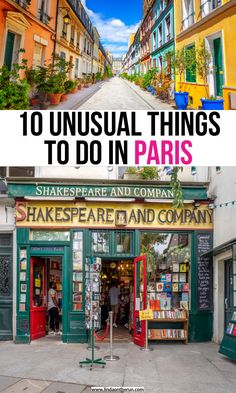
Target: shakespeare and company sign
128 215
102 191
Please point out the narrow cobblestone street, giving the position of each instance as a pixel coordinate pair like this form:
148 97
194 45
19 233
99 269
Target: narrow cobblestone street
117 94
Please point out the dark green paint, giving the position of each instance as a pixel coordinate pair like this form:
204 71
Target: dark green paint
6 254
9 49
119 190
200 328
218 62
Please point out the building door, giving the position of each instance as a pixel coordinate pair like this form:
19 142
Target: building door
218 63
140 296
38 300
5 287
10 42
230 294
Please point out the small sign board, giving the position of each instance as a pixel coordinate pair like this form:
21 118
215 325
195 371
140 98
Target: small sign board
145 315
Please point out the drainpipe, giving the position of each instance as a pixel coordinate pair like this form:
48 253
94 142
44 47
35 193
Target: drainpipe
55 40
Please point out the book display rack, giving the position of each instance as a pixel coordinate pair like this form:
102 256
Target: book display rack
171 318
231 328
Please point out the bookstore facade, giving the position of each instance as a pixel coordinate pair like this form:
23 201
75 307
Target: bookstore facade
155 253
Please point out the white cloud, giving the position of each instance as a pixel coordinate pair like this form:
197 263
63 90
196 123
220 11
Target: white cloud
114 32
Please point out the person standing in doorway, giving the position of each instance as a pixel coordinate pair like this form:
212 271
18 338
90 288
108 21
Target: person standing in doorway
114 296
53 309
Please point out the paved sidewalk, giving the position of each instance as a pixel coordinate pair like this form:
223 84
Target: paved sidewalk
118 94
47 365
77 99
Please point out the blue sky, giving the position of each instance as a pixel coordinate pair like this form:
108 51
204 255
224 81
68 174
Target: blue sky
115 21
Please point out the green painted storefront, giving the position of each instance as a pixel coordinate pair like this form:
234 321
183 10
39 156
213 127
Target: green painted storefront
73 321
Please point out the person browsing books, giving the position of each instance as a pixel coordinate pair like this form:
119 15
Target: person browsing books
114 296
53 309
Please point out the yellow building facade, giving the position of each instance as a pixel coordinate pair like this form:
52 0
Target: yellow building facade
213 21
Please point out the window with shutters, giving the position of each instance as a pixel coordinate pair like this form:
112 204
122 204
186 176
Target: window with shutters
38 57
191 71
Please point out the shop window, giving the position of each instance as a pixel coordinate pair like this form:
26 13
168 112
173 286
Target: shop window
168 269
100 242
191 71
77 292
21 171
123 242
3 172
49 235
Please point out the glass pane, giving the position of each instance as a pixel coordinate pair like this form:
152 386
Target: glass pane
21 171
234 298
50 235
3 171
168 269
38 275
5 240
123 242
234 267
77 278
5 272
100 242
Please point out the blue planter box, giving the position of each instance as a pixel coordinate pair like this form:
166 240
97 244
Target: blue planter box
181 100
212 105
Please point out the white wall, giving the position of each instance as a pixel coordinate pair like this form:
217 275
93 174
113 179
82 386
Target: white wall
223 186
93 173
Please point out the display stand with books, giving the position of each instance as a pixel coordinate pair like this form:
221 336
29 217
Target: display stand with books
170 333
168 296
228 344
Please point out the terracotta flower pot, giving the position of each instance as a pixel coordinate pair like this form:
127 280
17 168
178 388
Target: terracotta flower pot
64 97
55 98
79 87
35 101
73 91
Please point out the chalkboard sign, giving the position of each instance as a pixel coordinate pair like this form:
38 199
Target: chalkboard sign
204 271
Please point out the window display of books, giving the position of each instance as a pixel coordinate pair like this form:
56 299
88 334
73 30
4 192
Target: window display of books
77 275
231 328
171 290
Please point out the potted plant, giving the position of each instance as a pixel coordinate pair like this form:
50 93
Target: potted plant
203 63
183 59
70 86
14 90
55 87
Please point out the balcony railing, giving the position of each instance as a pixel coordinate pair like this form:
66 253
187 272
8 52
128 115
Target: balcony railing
209 6
23 3
189 21
44 17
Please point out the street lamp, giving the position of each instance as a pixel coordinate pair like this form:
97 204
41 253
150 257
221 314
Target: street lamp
67 19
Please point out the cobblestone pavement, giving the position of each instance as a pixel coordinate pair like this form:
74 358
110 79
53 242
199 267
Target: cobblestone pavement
49 366
117 94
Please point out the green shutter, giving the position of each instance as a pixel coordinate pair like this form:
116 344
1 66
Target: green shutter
9 49
191 72
219 78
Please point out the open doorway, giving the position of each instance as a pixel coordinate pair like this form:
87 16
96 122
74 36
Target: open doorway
118 274
45 297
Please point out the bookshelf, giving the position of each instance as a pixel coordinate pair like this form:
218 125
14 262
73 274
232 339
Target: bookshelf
171 333
231 328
